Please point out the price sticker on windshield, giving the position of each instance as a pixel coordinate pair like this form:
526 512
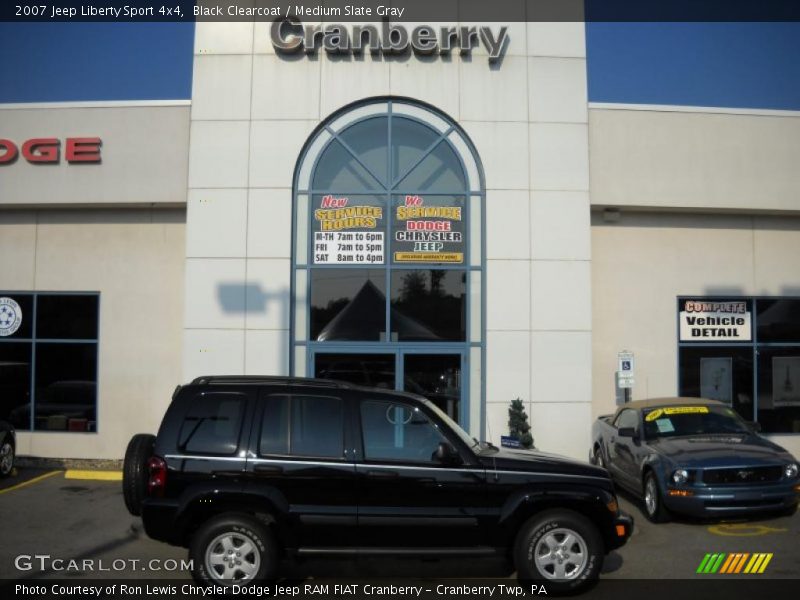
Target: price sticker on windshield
676 410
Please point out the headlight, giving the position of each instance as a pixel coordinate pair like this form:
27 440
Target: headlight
680 476
790 471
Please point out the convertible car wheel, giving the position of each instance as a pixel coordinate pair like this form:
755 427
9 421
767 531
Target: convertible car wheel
653 502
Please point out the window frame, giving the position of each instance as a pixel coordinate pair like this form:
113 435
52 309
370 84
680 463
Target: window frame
302 347
34 339
754 345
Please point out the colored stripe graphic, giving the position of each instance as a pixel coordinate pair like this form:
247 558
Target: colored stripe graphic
734 563
764 564
740 564
730 564
703 563
727 564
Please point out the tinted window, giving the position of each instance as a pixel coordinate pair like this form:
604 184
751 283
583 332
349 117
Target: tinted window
66 387
71 316
691 420
410 141
212 424
428 305
374 370
720 373
627 418
778 320
348 305
439 171
779 389
15 383
339 170
368 140
303 426
317 426
398 432
275 426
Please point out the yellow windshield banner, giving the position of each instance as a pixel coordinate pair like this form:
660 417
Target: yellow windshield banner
676 410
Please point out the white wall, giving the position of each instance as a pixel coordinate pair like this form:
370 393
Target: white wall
695 160
135 259
143 156
642 263
252 110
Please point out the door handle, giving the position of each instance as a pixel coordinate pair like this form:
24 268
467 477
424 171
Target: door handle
270 469
381 474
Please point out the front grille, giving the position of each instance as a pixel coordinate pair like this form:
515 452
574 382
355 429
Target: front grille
746 475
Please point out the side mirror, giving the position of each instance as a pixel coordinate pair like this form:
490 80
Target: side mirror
446 454
754 426
627 432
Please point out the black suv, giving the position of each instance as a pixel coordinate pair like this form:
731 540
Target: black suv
248 470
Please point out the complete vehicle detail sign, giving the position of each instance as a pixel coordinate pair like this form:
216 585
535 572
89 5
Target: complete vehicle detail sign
714 320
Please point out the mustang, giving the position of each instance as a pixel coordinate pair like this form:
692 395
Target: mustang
694 456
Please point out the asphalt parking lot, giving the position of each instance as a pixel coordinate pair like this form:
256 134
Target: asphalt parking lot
42 513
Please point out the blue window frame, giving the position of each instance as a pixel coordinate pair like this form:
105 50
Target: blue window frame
49 360
388 247
745 352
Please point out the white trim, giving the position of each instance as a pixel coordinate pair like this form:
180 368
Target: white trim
94 104
695 109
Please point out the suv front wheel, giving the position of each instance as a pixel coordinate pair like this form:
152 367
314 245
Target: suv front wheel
232 549
559 549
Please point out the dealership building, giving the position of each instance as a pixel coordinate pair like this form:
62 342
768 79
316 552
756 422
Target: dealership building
571 214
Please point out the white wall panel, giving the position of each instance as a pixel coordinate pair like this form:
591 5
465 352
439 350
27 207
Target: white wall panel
215 219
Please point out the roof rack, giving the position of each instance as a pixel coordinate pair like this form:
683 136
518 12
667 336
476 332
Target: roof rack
273 379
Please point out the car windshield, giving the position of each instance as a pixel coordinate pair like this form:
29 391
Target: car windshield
675 421
465 437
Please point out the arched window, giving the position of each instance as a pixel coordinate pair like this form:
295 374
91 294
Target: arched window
388 255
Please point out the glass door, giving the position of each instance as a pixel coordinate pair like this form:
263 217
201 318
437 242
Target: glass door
374 370
437 377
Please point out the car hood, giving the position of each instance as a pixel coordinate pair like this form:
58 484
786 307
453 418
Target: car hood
539 462
721 450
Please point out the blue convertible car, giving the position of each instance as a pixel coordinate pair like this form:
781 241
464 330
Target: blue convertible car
696 457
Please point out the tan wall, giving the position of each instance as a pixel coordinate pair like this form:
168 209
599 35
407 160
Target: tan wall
144 156
649 158
642 263
135 259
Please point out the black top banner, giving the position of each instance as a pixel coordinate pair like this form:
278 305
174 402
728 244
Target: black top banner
400 10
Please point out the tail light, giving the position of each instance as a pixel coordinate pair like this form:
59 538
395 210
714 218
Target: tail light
158 477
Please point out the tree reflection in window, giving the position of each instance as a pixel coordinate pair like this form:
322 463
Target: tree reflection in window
433 300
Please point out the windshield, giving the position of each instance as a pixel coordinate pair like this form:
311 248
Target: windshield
674 421
465 437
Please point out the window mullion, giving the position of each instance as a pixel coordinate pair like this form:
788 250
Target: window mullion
424 155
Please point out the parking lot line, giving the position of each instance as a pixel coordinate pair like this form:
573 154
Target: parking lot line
93 475
29 482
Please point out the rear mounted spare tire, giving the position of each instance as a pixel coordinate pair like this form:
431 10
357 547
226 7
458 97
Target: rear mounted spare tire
134 471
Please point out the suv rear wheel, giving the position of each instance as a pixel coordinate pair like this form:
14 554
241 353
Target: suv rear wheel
560 549
134 471
233 548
